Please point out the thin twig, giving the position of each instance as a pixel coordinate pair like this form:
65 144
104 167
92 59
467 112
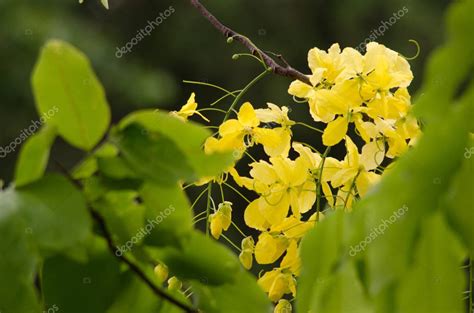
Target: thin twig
113 248
108 237
276 68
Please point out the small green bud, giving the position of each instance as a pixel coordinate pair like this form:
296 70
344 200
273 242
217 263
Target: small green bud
174 283
161 271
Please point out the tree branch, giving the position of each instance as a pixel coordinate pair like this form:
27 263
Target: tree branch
122 258
276 68
133 267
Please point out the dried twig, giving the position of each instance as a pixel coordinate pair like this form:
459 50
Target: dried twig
276 68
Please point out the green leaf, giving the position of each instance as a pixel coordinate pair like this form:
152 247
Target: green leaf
153 156
242 295
341 293
436 265
34 157
168 211
69 96
84 287
188 136
115 167
123 214
170 126
459 200
54 212
201 259
89 166
18 264
138 298
317 266
420 179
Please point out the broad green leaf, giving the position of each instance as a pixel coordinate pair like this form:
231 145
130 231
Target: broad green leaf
435 282
170 126
341 293
188 136
319 253
90 287
69 96
89 166
54 212
34 156
18 264
201 259
420 179
124 216
153 156
168 212
138 298
241 295
115 167
96 186
460 198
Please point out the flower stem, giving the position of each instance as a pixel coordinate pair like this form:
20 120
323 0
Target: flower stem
244 91
208 207
321 167
310 127
238 192
230 241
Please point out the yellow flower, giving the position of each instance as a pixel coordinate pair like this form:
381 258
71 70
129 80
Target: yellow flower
283 306
275 114
386 68
343 99
277 283
246 255
292 227
222 219
269 248
325 65
292 261
354 170
394 137
189 109
313 162
243 132
282 184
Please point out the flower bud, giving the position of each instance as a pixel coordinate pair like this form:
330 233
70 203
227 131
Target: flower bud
174 284
161 271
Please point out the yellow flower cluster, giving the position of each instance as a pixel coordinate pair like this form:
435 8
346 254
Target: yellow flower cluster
369 91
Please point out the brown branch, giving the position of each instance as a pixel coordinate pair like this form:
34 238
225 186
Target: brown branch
276 68
115 251
113 248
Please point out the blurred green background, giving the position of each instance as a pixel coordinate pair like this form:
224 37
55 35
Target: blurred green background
185 46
